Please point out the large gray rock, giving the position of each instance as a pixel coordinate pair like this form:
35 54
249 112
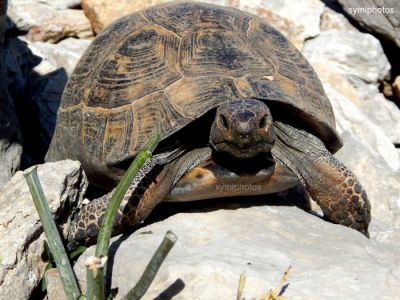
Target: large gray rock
63 55
328 261
350 117
385 114
342 49
338 52
381 17
304 13
10 136
69 23
22 241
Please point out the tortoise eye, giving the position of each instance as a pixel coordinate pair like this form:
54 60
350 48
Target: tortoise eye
224 121
263 121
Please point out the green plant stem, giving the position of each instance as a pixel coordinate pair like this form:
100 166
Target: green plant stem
104 237
96 272
152 268
94 278
54 240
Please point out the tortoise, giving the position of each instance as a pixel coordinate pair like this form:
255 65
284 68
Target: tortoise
239 109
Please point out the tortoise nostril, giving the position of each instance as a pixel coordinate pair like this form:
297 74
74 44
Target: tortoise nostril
263 121
224 121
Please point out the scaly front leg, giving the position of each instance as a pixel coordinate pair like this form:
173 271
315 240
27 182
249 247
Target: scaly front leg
154 180
85 226
329 182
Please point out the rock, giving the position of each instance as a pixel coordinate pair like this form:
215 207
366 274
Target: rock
396 88
10 136
328 261
387 89
59 4
22 241
385 114
292 31
305 13
64 54
44 22
55 288
294 25
361 68
333 20
349 112
72 23
101 13
381 17
335 52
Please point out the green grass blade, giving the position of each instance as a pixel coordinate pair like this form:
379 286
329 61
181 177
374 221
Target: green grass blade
152 268
54 240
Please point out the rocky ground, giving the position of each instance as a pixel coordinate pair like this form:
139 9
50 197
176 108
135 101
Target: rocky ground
41 42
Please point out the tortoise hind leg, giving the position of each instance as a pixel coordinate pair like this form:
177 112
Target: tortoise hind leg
329 182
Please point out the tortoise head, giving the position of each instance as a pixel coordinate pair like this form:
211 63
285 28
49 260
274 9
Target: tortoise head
243 128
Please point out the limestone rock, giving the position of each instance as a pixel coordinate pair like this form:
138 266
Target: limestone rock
333 20
44 22
72 23
387 88
64 54
55 287
304 13
335 52
10 136
59 4
284 16
292 31
21 247
361 68
101 13
329 261
381 17
396 88
385 114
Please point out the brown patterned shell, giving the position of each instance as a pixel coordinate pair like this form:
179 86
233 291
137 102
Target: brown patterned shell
160 69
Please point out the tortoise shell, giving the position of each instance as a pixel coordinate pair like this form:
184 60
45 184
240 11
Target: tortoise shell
162 68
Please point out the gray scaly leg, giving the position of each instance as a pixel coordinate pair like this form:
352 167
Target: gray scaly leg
329 182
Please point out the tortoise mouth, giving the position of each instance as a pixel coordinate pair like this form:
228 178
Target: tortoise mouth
243 151
261 163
